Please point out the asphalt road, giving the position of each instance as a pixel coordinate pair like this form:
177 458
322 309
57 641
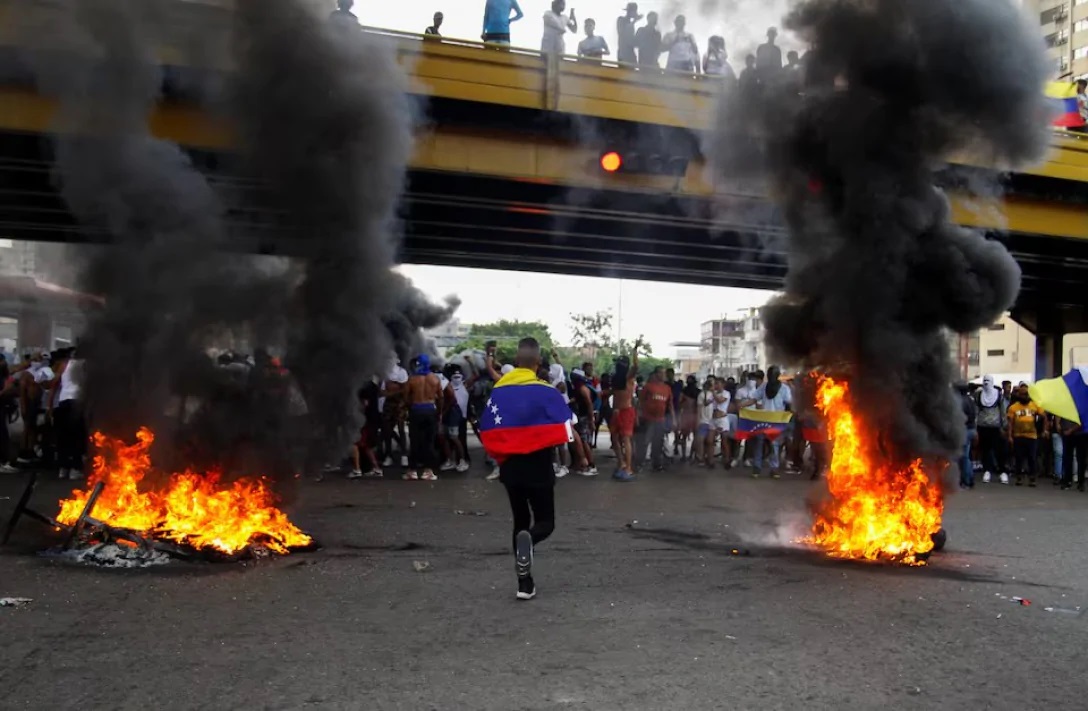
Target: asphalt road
642 605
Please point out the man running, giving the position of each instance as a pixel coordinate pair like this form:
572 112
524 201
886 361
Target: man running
623 419
422 391
524 419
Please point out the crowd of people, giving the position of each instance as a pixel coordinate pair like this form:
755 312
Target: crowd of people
420 418
1009 438
43 391
637 46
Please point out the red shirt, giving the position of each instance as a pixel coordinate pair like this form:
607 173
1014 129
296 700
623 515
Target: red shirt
655 401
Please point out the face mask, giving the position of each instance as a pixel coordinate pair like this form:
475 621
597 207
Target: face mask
751 383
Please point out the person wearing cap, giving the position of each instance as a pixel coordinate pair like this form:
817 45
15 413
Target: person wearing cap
625 31
423 392
391 405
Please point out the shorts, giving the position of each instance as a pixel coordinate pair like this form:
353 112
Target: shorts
722 424
733 422
623 422
582 428
453 420
368 437
704 430
497 37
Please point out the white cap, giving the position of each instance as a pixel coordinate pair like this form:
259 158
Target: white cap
507 369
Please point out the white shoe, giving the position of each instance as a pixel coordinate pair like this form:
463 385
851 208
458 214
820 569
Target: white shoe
462 466
75 475
355 474
493 475
428 475
1004 478
388 462
986 478
6 468
447 466
592 471
561 472
411 475
63 474
404 461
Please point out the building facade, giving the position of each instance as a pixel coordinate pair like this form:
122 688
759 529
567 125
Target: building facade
1064 26
733 344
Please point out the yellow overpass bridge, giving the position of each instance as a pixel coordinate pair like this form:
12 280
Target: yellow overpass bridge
506 172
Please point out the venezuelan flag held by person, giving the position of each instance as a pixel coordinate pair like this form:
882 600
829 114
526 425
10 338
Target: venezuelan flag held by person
523 422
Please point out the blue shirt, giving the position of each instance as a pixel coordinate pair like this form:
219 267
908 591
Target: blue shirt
497 16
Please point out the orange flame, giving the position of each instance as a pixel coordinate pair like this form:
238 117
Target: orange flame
198 510
875 511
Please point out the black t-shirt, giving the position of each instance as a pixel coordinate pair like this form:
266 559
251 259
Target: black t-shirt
533 469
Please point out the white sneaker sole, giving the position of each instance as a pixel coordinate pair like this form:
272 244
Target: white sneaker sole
526 596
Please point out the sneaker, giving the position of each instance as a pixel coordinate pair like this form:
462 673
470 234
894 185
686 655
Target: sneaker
555 468
561 472
986 478
526 588
428 475
776 475
755 473
388 462
622 475
1004 478
462 466
447 466
523 554
1031 482
411 475
734 463
592 471
494 474
374 474
6 468
404 461
75 475
355 474
63 474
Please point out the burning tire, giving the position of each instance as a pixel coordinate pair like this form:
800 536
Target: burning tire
939 539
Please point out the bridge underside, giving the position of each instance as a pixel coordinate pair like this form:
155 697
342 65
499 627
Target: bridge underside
463 220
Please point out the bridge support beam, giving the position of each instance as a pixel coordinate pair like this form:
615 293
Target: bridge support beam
1048 354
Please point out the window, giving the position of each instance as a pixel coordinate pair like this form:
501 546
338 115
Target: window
995 353
1080 52
1080 26
997 327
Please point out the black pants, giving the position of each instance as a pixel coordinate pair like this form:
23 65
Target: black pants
1074 444
71 434
989 442
1023 449
422 433
533 507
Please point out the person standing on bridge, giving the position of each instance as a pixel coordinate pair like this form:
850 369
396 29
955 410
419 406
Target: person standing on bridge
625 31
556 24
497 19
342 17
768 58
648 43
683 51
435 30
593 46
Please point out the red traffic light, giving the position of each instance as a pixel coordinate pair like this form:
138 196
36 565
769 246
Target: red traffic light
611 161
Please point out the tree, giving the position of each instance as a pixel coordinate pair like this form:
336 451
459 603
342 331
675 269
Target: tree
592 330
506 334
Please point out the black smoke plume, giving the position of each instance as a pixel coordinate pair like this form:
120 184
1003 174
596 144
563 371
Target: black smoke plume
877 271
325 128
168 289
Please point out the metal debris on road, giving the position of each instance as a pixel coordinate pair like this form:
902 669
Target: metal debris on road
1063 610
15 601
421 565
459 512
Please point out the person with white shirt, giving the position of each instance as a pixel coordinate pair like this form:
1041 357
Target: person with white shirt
66 408
394 411
774 396
556 24
682 49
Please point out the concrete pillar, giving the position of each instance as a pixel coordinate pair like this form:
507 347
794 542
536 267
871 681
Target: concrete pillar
1048 355
35 330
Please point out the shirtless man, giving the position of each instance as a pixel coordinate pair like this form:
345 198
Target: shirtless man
422 392
623 418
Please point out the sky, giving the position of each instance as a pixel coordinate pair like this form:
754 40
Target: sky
664 313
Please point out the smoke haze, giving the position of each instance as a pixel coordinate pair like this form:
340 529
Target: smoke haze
876 269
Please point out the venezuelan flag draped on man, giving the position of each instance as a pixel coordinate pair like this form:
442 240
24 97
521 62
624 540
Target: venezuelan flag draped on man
523 421
523 415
